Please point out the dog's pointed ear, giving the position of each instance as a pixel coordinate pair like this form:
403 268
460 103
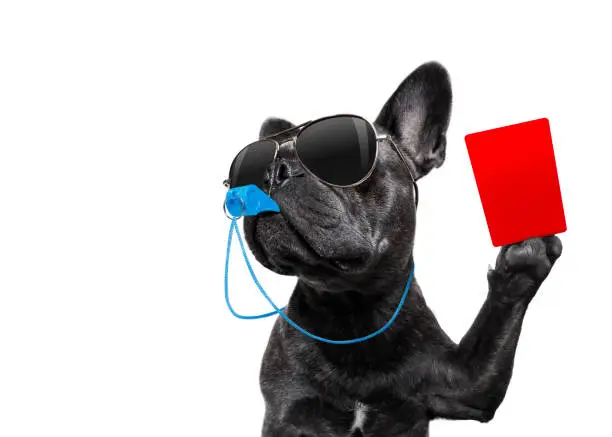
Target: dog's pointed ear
273 126
417 116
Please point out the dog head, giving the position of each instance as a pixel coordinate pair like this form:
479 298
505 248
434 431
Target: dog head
333 238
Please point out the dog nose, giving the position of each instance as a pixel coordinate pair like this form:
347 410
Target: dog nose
282 170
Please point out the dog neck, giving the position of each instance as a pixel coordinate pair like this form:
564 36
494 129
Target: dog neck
350 313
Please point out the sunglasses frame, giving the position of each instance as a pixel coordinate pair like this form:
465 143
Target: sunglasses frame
300 128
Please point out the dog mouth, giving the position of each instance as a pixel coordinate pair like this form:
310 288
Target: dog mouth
304 253
341 263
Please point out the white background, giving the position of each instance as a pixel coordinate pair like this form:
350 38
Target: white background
118 122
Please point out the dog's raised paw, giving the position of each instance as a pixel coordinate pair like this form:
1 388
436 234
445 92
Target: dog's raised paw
523 266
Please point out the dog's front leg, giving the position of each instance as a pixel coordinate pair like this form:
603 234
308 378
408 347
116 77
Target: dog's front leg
469 380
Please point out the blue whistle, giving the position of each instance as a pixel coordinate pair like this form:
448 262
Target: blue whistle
248 200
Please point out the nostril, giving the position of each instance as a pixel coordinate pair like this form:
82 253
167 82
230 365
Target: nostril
282 172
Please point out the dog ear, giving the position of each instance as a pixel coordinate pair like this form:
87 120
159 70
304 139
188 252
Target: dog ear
273 126
417 116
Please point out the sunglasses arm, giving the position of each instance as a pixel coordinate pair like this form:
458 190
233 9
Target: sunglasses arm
398 151
405 161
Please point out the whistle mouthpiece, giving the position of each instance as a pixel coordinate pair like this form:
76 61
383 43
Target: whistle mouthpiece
248 200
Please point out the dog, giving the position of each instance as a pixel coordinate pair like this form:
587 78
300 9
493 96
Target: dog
352 251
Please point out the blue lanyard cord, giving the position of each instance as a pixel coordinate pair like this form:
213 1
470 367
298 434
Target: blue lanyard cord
279 311
227 257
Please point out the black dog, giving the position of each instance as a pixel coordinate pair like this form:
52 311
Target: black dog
351 249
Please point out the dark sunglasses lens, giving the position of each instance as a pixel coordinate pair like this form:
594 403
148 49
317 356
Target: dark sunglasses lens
251 164
340 150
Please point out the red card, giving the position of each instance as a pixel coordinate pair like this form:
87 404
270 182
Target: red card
517 180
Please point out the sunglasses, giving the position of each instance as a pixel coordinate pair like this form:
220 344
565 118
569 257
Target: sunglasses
340 151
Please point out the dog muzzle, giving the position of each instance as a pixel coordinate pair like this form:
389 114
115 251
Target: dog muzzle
249 200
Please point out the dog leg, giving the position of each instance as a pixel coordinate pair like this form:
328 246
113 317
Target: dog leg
469 380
